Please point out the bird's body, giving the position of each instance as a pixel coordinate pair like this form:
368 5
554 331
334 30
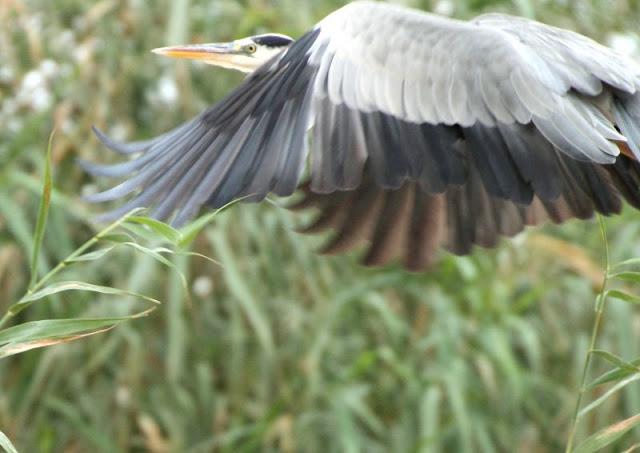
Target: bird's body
422 131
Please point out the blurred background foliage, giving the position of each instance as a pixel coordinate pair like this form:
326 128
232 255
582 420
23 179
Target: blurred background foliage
278 349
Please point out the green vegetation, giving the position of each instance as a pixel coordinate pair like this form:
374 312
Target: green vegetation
271 347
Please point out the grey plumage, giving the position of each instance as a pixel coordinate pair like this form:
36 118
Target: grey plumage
425 131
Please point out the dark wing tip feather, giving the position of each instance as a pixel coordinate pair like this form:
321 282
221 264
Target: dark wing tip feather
111 171
92 168
122 148
112 194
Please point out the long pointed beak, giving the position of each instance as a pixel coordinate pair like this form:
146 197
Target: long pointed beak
211 53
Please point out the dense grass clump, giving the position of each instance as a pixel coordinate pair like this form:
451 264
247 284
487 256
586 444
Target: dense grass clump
266 345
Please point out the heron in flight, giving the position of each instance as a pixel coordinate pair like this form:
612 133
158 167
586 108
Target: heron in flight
418 131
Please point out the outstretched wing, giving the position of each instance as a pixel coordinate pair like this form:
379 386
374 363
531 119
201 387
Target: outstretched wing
523 112
249 144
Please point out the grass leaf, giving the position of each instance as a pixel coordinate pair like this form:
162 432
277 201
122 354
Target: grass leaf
92 256
614 359
43 213
621 384
190 232
156 254
629 262
607 436
621 295
160 228
60 328
117 238
238 286
59 287
20 347
615 374
626 276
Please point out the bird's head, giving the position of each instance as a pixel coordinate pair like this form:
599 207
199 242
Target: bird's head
244 55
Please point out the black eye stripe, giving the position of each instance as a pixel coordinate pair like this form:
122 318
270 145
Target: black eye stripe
272 40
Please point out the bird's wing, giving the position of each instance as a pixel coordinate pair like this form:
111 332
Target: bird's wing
250 143
420 99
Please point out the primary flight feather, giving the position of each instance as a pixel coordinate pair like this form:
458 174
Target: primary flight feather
420 131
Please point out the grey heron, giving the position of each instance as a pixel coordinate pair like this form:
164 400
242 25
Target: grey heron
418 131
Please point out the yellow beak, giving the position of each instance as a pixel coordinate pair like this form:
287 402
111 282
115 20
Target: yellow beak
210 53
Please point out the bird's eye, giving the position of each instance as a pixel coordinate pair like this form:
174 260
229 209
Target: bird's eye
251 48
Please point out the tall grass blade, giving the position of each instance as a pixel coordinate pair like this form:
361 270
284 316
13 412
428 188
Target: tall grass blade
40 334
20 347
59 287
43 213
616 374
626 276
160 228
60 328
93 256
600 303
190 232
240 290
620 385
623 296
629 262
156 254
615 360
